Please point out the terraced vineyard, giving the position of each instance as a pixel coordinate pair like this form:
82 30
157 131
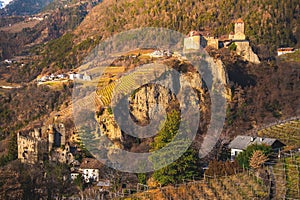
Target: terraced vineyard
288 133
123 85
105 93
287 178
239 187
280 180
292 177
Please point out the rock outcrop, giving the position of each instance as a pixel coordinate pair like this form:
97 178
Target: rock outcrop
152 101
244 49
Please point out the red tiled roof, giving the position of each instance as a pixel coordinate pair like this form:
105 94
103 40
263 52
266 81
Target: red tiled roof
286 49
194 33
240 20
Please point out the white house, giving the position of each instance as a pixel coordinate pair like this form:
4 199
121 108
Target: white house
52 77
282 51
61 76
157 54
86 77
74 175
71 76
241 142
8 61
90 169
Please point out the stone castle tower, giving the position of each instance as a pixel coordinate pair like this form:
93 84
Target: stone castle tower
50 132
56 135
239 30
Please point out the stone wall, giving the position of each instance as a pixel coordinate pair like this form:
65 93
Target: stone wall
192 43
27 149
31 149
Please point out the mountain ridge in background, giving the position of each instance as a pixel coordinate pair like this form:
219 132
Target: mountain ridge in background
4 3
24 7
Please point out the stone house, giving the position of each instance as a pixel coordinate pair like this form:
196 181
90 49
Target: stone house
197 39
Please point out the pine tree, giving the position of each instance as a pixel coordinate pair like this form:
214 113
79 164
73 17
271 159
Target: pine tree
186 167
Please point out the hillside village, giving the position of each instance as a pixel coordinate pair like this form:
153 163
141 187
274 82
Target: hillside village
61 77
49 143
42 153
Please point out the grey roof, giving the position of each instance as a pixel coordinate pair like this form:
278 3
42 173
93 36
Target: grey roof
105 183
242 141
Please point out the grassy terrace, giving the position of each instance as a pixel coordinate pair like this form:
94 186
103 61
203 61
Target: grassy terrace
288 133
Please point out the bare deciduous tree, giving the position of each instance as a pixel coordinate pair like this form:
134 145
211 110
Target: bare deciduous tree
258 159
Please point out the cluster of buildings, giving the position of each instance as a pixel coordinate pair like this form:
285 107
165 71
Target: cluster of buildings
36 18
70 76
49 143
197 39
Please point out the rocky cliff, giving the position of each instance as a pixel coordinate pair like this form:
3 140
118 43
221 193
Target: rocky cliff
152 101
244 49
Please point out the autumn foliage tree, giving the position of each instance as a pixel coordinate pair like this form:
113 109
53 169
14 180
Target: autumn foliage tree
244 157
258 159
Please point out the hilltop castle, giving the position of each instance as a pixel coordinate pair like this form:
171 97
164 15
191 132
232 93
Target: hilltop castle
239 30
197 39
36 145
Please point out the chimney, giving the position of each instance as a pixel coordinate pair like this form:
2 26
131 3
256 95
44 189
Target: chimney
252 139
